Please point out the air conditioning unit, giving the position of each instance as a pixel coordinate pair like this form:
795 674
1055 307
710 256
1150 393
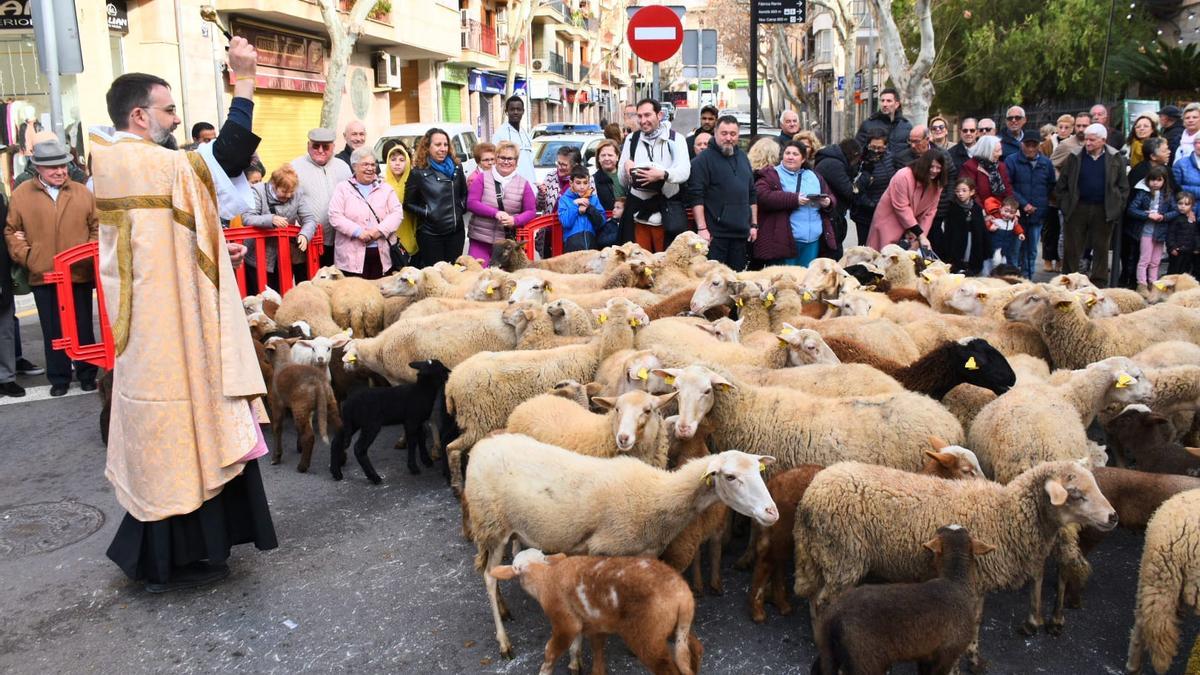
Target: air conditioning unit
387 70
539 65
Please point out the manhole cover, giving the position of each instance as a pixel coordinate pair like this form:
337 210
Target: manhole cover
30 529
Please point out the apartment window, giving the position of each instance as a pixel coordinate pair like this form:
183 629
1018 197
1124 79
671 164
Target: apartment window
823 46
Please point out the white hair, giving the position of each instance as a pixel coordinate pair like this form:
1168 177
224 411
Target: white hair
1096 129
985 147
785 113
361 154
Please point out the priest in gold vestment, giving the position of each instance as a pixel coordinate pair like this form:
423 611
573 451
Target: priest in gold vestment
184 428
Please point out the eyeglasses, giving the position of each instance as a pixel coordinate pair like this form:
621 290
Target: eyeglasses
170 110
320 146
368 168
968 131
938 127
506 159
987 128
1014 118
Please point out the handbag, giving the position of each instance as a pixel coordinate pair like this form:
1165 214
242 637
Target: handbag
399 255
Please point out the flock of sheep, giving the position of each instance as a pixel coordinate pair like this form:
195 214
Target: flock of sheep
619 407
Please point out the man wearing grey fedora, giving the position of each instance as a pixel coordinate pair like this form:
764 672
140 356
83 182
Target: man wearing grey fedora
46 217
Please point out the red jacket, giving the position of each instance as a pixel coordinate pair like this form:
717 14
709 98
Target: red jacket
774 241
983 189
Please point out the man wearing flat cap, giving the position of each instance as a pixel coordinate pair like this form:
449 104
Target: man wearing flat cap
1092 188
1032 176
320 172
1170 120
47 216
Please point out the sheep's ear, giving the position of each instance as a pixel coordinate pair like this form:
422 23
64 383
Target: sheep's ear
934 545
593 388
606 402
832 302
503 572
298 341
944 458
981 547
668 374
1058 493
937 443
707 328
664 399
557 557
341 340
509 285
1192 451
721 383
1064 306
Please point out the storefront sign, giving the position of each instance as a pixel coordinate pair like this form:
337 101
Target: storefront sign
284 49
16 14
454 75
118 17
283 82
487 83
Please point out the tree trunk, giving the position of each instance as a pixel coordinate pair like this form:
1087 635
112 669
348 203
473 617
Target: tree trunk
519 15
912 80
343 33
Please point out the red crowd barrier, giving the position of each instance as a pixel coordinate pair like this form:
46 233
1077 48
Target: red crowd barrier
548 223
102 353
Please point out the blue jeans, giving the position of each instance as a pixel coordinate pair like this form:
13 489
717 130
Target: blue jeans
1009 246
1029 249
806 252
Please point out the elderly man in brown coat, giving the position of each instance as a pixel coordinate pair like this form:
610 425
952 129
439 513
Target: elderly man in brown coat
48 216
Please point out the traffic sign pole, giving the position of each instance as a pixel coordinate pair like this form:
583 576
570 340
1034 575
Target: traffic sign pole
655 35
753 69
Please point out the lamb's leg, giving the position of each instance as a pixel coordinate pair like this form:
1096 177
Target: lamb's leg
598 665
1034 621
1073 571
337 449
714 555
493 590
697 582
561 638
423 447
1137 647
277 415
305 438
974 659
366 436
758 586
416 441
778 564
575 664
454 452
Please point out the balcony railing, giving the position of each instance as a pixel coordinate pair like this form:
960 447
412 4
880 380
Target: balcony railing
583 73
479 37
558 6
557 65
569 72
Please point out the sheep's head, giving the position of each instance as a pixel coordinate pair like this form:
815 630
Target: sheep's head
690 242
1030 304
1074 497
724 329
318 351
1072 282
805 346
981 364
252 304
859 254
868 275
1128 383
506 253
736 478
1138 426
851 304
823 279
330 273
621 309
260 325
526 563
640 373
406 284
643 273
637 415
528 289
489 287
714 291
970 298
953 542
350 355
430 370
572 391
952 462
519 315
469 263
1095 304
698 388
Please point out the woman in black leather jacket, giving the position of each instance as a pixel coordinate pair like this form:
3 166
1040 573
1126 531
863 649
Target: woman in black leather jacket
436 193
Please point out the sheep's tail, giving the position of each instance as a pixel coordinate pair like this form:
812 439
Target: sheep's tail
687 647
1157 616
808 574
323 412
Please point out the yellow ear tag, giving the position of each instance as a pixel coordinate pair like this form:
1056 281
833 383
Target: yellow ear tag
762 468
352 358
491 290
1064 308
738 302
634 323
459 267
411 282
698 246
647 271
643 374
971 365
787 330
548 287
912 255
602 318
670 379
1091 302
1123 381
807 297
928 263
1160 285
708 480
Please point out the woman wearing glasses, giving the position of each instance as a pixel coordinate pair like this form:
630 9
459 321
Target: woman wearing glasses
939 133
364 212
500 200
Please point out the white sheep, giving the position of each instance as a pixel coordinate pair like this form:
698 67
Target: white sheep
1169 353
799 428
628 370
1074 341
684 338
307 302
355 303
631 426
858 520
569 318
1168 581
559 501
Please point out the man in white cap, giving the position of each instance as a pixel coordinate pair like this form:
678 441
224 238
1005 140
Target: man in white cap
1092 188
319 172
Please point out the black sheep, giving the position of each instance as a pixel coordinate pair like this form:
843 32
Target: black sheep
1150 438
367 411
869 628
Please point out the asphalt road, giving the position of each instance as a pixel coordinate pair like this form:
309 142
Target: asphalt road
374 579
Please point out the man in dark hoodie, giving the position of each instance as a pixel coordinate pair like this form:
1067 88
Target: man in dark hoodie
890 120
8 337
833 163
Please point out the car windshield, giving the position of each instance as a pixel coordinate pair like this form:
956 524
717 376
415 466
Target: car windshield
545 153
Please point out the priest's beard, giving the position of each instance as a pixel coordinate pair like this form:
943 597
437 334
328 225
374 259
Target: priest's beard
162 135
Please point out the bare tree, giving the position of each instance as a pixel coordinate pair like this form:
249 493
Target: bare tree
911 79
343 33
520 14
845 26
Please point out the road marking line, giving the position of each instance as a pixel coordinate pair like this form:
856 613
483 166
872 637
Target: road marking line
42 393
28 313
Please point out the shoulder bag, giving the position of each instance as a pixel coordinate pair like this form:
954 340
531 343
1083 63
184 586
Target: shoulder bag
399 255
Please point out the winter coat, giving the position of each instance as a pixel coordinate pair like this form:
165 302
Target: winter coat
958 227
904 204
1187 174
983 189
960 154
6 289
1116 183
481 202
1181 234
573 222
266 207
1139 212
870 184
724 186
604 189
50 227
775 206
833 168
438 202
897 130
1009 145
1173 134
350 216
1032 183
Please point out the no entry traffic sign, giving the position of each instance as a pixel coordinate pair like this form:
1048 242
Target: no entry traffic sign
655 33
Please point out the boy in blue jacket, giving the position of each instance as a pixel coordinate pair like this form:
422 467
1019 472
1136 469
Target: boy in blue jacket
580 213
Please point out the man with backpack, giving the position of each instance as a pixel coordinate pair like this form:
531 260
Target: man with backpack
654 167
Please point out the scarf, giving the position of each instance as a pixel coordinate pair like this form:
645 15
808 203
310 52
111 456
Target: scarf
502 180
445 167
618 189
995 180
658 131
397 182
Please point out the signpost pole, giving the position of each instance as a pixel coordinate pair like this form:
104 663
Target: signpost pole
655 90
753 68
44 31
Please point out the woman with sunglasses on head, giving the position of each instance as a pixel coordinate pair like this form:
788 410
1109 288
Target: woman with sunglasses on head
500 200
436 193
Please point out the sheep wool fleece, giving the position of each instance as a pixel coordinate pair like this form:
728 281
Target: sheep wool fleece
185 363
